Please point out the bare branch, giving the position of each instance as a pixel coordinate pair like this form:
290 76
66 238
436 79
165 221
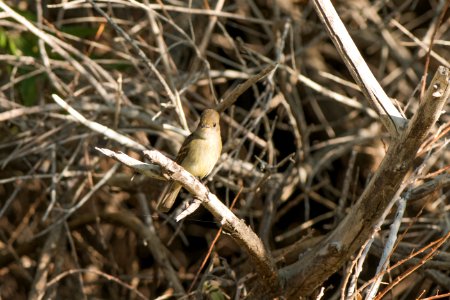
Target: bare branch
237 228
126 141
392 119
241 88
320 262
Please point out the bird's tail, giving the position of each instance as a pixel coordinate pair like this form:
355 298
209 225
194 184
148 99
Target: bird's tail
166 202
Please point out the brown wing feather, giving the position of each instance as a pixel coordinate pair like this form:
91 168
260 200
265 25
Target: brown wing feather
168 197
184 150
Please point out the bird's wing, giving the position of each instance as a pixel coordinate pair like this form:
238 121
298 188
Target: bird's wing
184 150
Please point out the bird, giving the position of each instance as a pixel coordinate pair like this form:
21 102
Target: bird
198 155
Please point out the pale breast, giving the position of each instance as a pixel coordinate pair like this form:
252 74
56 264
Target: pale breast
202 157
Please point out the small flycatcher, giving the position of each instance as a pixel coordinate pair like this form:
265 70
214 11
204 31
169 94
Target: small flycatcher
198 154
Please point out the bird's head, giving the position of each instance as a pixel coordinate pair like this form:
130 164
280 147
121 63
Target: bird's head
209 119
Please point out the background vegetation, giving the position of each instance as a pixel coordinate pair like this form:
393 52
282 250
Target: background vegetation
299 146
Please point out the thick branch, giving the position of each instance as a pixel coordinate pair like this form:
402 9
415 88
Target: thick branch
326 258
143 168
241 233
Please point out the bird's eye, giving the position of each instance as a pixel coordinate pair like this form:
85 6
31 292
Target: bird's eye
214 125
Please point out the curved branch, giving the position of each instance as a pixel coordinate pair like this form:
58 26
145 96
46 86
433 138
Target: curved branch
321 261
239 231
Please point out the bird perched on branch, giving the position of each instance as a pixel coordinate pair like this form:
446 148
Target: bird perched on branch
198 155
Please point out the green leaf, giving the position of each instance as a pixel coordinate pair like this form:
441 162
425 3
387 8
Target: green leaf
3 39
79 31
28 91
